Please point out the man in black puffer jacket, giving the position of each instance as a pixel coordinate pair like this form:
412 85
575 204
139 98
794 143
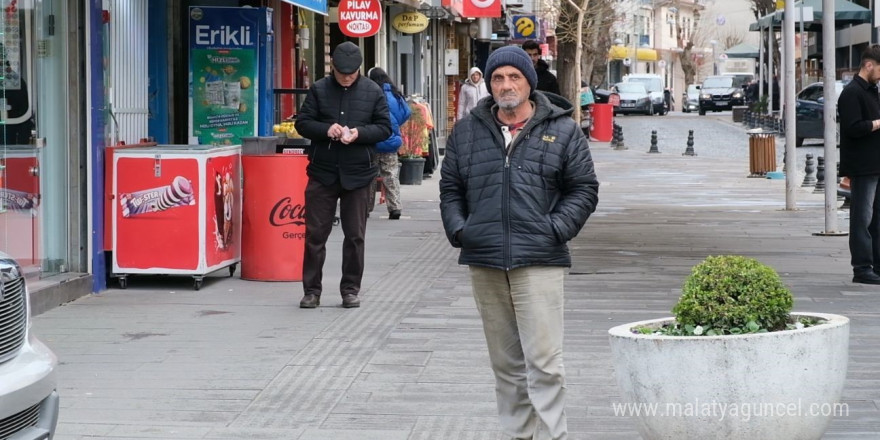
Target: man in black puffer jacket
344 115
517 184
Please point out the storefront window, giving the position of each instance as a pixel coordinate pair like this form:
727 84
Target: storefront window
34 134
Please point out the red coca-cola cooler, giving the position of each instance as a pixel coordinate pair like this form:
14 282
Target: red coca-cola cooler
273 217
176 210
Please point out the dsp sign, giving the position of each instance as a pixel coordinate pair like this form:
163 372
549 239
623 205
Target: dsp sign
477 8
360 18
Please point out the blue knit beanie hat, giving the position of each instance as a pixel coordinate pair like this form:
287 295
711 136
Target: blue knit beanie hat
511 56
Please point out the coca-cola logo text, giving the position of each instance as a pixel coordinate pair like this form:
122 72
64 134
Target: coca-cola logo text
285 213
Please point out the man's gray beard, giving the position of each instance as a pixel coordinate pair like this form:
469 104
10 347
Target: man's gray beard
509 106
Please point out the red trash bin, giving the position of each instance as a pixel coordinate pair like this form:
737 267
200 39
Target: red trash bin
603 120
273 217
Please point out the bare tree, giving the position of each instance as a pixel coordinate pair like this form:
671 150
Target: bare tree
689 39
582 34
731 37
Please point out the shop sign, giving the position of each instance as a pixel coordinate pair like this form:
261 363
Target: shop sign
477 8
410 22
524 27
360 18
224 64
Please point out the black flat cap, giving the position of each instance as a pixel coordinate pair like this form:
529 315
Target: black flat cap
347 58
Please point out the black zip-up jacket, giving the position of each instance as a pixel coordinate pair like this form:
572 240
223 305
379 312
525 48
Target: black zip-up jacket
857 106
519 208
361 106
546 80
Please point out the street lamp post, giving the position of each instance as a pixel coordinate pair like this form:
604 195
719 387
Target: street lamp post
714 44
636 37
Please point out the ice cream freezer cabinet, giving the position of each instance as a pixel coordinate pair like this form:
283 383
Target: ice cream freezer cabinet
176 210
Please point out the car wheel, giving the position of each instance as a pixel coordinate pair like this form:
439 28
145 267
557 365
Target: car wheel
798 142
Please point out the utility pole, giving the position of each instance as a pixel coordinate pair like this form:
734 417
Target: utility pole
788 109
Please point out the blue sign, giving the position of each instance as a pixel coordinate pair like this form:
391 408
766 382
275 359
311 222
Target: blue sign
319 6
524 26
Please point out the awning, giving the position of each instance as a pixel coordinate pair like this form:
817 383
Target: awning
621 52
317 6
743 50
845 12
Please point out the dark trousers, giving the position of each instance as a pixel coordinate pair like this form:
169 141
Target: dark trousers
320 210
864 223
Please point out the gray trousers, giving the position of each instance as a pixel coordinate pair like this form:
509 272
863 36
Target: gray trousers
522 313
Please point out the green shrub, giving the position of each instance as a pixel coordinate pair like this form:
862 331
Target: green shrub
733 294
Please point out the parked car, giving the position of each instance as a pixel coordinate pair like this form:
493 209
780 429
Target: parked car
810 112
654 84
719 93
28 398
740 80
690 99
634 98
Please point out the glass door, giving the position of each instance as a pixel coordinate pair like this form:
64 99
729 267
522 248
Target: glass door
20 193
34 174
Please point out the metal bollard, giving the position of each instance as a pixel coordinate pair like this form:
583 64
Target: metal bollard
614 132
689 151
654 148
820 176
620 145
809 172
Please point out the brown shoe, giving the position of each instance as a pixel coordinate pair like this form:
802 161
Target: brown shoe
350 301
310 301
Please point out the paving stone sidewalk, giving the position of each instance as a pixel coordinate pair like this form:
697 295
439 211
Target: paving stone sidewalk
239 360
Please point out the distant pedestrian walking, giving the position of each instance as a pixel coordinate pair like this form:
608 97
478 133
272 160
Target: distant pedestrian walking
517 184
546 79
859 109
345 116
472 91
386 151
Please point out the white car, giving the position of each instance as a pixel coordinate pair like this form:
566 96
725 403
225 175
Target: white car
28 396
654 84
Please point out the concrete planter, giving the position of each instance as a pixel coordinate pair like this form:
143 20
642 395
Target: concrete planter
778 385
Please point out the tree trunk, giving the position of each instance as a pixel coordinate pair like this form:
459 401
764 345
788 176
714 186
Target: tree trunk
569 84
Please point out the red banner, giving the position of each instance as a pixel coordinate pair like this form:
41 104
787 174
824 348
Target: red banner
361 18
477 8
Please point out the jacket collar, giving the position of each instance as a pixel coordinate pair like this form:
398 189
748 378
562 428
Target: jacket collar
864 84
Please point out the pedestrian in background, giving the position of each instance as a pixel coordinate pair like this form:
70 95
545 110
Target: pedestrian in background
517 184
472 91
859 116
546 79
345 116
386 151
